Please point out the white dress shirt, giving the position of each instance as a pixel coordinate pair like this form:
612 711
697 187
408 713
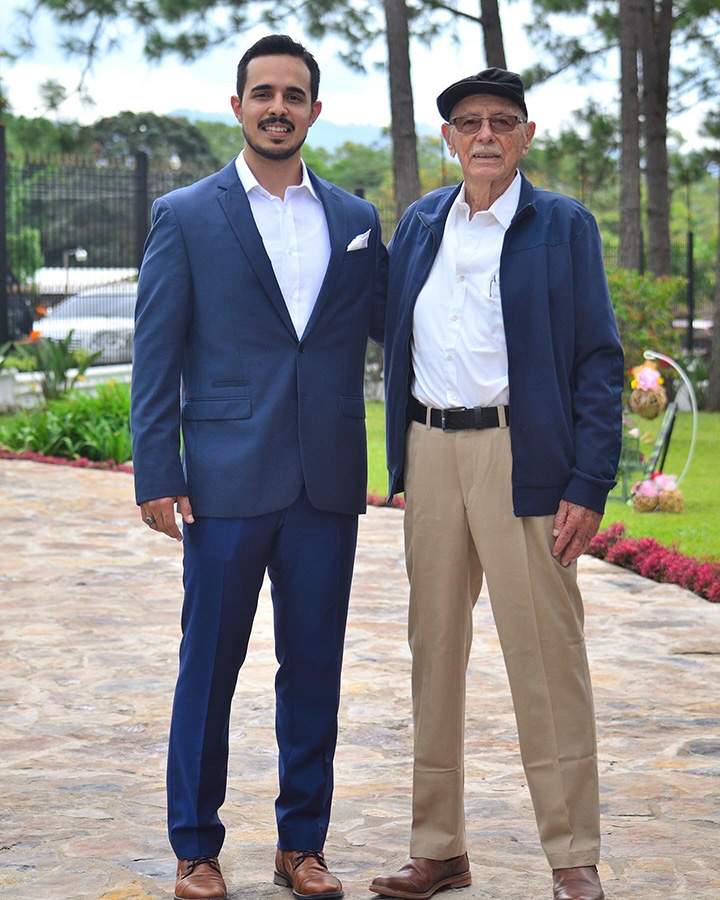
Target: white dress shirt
295 234
459 354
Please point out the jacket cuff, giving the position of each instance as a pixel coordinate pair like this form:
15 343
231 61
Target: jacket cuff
143 493
589 492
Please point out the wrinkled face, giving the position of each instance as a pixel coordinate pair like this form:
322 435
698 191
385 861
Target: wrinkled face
275 110
485 156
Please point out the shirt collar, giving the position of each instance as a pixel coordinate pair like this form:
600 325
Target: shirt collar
504 208
249 181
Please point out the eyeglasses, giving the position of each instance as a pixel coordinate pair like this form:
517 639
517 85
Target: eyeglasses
498 124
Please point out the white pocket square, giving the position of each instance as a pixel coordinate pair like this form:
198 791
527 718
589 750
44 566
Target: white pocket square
360 241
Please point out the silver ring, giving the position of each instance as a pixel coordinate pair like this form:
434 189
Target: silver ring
150 520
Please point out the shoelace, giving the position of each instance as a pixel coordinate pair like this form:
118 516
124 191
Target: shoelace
302 855
198 861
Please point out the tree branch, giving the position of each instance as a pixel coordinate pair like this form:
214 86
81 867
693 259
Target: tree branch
437 4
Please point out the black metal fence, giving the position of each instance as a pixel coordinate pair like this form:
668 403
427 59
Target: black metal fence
73 230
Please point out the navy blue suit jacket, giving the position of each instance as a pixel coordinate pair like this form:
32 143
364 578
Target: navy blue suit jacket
262 409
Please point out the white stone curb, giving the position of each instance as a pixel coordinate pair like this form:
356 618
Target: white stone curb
22 389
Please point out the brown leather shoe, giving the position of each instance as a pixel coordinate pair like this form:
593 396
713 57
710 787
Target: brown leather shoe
578 883
420 878
307 874
200 879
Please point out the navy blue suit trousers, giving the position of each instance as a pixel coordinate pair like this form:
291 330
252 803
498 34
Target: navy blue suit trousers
308 554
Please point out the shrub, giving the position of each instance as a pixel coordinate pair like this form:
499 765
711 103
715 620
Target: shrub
54 359
651 560
78 425
643 307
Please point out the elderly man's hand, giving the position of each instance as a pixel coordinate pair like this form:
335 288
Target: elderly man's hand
575 526
159 515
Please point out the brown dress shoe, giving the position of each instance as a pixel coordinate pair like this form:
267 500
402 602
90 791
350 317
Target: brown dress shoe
200 879
419 878
307 874
578 883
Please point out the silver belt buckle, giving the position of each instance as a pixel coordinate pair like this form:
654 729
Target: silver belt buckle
452 409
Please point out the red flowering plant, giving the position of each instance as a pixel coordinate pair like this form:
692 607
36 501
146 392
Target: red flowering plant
651 560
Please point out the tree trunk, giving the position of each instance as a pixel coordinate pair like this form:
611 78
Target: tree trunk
655 31
404 142
630 223
713 397
492 33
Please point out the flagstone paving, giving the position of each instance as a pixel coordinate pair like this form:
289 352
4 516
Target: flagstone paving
89 626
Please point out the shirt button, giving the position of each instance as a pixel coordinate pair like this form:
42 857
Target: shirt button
454 318
461 278
449 356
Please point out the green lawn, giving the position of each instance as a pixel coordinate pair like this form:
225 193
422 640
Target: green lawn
377 470
696 531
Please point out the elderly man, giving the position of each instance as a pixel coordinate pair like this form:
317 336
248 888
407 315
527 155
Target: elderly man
504 374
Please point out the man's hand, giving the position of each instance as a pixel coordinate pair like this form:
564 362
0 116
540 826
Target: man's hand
159 515
575 526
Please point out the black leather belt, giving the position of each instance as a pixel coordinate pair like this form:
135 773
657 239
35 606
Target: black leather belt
460 418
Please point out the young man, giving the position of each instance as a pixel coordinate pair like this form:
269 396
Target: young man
258 291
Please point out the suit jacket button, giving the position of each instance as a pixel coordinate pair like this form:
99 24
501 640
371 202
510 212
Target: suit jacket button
301 348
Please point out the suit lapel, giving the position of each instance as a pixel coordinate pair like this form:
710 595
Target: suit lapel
335 215
236 206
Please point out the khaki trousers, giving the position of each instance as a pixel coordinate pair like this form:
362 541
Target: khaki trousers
459 525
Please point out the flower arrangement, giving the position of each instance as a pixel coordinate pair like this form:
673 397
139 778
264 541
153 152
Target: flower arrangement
659 491
651 560
648 398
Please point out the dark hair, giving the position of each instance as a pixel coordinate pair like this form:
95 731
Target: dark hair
279 45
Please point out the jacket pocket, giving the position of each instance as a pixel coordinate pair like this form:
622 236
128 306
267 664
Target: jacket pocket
220 408
353 407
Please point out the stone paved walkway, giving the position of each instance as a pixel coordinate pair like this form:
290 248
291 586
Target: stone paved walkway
89 624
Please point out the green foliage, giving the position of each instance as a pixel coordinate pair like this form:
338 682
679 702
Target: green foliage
54 359
318 159
24 250
123 135
697 368
4 353
225 141
96 427
41 136
696 530
581 161
52 94
356 166
18 362
643 307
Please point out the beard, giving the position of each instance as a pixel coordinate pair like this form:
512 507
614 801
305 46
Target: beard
276 153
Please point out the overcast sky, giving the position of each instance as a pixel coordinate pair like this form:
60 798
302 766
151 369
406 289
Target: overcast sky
124 80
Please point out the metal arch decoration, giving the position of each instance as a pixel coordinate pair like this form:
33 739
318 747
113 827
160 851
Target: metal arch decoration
653 354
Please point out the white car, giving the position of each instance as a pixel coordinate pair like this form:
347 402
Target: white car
101 318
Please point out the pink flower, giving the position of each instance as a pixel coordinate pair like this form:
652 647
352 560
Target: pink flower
646 488
665 482
647 378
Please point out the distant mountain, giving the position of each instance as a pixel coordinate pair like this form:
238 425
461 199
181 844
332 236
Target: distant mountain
323 134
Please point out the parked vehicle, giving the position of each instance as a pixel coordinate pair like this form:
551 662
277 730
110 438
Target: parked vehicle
101 319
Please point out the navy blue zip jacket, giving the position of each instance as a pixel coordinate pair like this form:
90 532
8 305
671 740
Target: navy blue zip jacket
565 362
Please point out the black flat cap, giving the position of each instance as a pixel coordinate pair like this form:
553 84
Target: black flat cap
489 81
